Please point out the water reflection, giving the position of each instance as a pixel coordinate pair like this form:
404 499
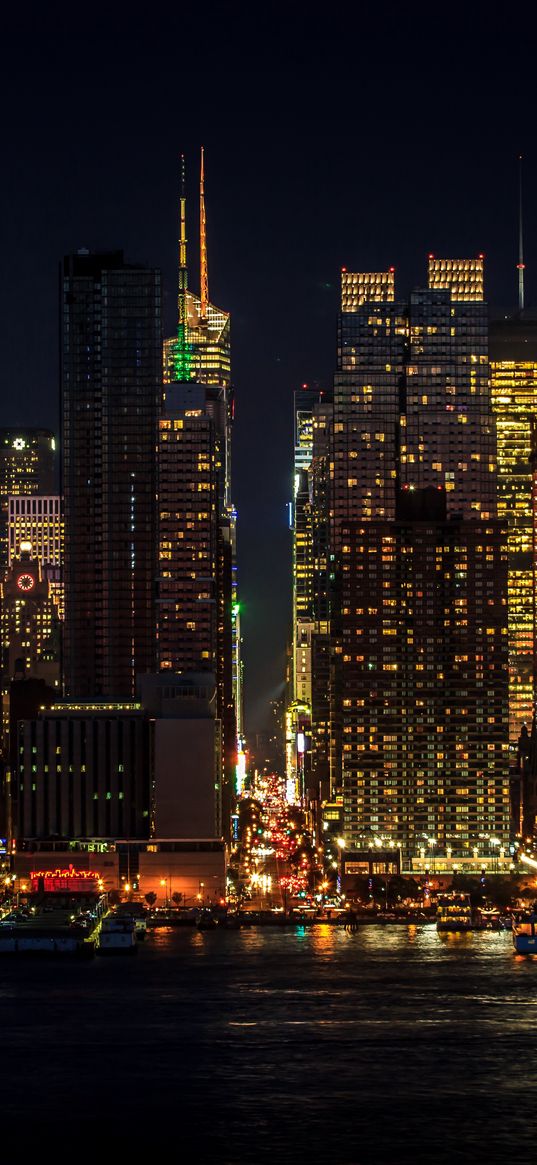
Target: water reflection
300 1044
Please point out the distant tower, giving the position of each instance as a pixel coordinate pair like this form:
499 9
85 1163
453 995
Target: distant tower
520 264
182 351
204 277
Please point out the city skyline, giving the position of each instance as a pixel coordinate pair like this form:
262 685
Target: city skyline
294 191
268 583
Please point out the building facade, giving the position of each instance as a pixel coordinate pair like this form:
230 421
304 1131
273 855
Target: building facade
85 771
29 628
418 593
111 377
513 375
37 521
27 466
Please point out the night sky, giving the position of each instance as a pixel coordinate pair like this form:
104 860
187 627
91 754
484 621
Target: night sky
364 138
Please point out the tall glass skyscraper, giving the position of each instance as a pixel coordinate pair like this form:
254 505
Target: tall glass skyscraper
111 384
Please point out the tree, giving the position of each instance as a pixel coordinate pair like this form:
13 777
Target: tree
177 898
400 888
469 885
151 898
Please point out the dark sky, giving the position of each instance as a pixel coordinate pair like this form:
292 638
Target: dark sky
365 137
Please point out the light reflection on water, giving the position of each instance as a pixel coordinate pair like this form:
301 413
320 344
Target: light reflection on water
305 1044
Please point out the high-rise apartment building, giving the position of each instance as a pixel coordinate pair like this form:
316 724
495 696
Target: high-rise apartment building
418 619
27 466
513 376
111 378
38 521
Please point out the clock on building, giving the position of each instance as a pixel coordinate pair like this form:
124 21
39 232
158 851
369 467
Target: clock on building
25 582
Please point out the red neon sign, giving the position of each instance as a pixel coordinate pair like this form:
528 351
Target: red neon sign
70 880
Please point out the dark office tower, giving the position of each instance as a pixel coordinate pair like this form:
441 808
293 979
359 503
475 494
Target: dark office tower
418 628
111 382
27 466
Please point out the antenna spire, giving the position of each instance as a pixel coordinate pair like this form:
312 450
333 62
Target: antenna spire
182 352
204 277
520 264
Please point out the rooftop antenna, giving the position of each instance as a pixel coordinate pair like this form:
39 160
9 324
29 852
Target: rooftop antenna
520 264
204 278
182 352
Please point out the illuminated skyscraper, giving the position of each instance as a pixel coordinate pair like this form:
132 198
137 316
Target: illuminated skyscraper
306 715
513 372
418 626
302 547
199 614
111 376
27 466
210 341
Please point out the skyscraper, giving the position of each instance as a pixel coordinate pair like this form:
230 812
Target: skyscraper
418 629
111 379
27 466
198 627
513 374
306 714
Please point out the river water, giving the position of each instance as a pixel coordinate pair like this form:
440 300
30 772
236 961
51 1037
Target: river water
390 1045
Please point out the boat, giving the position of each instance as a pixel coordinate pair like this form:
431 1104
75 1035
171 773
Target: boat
525 932
206 921
137 912
454 912
117 936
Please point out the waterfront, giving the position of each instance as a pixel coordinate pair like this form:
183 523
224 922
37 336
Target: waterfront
300 1045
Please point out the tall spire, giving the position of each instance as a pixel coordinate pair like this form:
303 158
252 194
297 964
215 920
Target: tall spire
520 264
182 351
204 278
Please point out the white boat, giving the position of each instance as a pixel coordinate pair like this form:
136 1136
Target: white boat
138 914
117 936
525 932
